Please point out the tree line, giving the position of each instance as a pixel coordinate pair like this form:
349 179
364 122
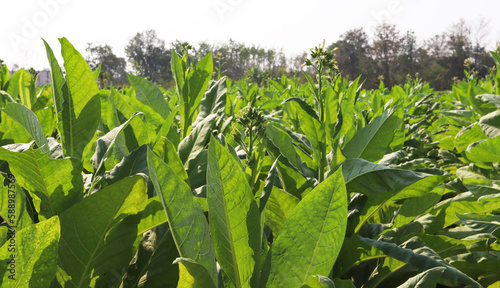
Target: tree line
388 54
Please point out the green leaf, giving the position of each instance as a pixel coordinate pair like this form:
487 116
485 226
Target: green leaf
305 107
234 217
105 145
481 186
150 95
195 82
279 207
96 72
82 107
193 275
152 264
185 216
98 233
418 205
428 278
35 252
283 142
166 151
383 185
178 65
12 194
293 182
372 141
491 98
482 223
421 257
194 143
485 151
347 103
214 101
59 85
132 164
57 183
468 135
27 89
315 132
4 77
141 131
478 264
152 216
318 281
490 124
13 85
312 236
26 118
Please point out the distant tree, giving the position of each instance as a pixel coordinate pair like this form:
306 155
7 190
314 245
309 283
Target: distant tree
353 57
112 67
437 46
149 57
407 60
460 47
385 49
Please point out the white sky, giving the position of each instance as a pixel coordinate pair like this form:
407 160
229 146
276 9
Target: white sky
292 25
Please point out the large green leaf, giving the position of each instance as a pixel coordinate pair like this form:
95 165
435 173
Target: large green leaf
11 196
372 141
185 216
234 217
31 259
383 185
140 132
59 85
311 238
105 145
421 257
468 135
194 143
491 98
485 151
279 207
179 68
166 150
57 183
13 84
284 146
315 132
479 264
347 102
152 265
152 216
482 223
149 94
428 278
98 233
82 106
26 118
191 85
133 163
4 77
214 101
317 281
192 274
27 89
490 124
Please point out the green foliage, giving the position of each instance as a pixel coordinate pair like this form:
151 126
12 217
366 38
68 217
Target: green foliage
235 184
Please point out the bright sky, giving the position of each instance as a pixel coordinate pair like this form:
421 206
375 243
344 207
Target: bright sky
293 25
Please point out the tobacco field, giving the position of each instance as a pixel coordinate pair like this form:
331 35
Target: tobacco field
218 183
